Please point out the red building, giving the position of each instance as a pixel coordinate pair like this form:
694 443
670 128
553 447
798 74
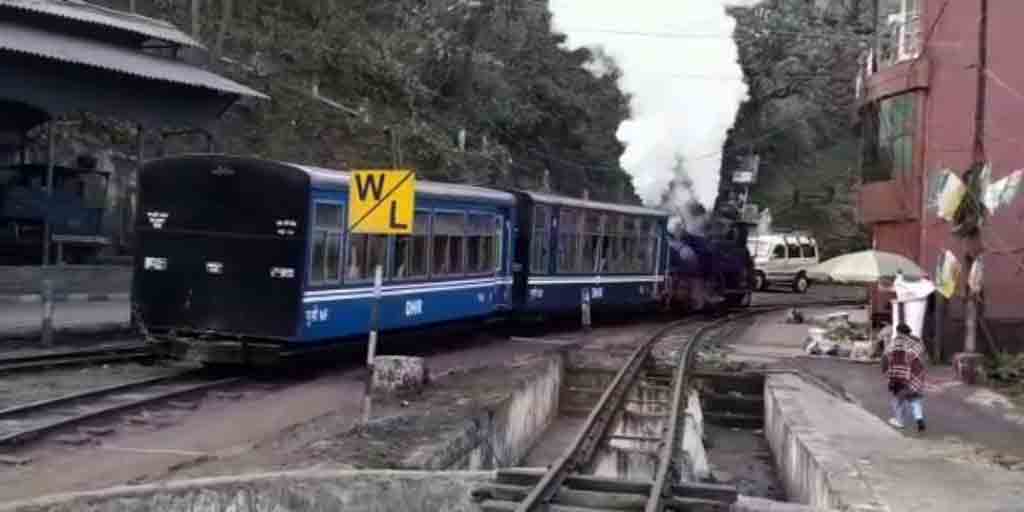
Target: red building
919 93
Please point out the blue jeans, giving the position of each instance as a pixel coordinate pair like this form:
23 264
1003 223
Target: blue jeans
901 405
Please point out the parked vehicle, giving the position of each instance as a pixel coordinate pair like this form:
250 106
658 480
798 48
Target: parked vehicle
783 259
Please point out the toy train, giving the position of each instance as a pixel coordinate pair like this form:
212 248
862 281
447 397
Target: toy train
240 260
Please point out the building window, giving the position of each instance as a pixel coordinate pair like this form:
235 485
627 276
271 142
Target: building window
899 29
540 242
481 244
889 136
413 251
327 230
568 240
449 235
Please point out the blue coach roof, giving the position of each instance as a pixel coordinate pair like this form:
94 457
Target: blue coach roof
596 205
330 178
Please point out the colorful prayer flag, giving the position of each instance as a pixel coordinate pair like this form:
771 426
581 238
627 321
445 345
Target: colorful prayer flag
951 194
1003 191
947 273
976 275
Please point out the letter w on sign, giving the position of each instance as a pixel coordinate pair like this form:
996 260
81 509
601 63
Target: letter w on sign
382 202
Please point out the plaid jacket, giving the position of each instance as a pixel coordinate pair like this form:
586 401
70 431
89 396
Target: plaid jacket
905 364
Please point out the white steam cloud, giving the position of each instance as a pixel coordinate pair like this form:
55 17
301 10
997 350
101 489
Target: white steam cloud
680 66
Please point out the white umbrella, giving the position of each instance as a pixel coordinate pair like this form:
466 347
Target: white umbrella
865 267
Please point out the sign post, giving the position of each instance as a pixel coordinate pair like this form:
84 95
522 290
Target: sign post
381 202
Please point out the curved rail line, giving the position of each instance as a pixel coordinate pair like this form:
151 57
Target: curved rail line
658 494
26 422
63 358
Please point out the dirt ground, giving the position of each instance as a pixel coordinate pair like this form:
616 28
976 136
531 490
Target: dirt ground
403 424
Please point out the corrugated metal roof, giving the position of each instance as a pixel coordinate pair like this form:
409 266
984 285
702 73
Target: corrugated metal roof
69 49
98 15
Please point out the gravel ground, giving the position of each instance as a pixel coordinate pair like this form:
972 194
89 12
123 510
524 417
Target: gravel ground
23 388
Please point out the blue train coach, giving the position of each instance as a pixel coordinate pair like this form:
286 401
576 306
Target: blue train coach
241 259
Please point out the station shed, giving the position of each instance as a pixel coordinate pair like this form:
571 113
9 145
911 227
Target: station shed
64 57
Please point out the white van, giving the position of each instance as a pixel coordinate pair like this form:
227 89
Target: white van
783 258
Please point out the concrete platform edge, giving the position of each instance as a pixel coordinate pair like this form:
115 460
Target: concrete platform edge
271 488
813 472
35 298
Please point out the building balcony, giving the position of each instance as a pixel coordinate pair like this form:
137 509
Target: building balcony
887 201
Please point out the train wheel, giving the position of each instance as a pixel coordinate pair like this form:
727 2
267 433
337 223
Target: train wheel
801 284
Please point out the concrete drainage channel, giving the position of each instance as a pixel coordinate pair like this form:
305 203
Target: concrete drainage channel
523 430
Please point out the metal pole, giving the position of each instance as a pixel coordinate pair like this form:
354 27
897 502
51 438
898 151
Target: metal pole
50 157
585 309
47 327
371 349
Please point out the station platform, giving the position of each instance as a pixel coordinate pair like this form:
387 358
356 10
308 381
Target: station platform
23 320
827 426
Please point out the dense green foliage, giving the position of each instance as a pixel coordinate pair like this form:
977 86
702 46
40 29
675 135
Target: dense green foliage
801 63
347 75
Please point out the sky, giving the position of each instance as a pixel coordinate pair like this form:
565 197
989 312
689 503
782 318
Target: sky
680 66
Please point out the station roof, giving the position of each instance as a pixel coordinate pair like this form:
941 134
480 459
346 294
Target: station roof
80 12
63 56
73 50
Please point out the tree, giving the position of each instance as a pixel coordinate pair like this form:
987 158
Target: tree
801 63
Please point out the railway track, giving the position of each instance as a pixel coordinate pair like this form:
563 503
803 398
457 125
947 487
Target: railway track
23 423
566 486
67 358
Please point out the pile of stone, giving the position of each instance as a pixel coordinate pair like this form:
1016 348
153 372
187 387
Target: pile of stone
835 335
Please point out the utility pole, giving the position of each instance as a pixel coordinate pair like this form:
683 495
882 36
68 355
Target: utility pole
967 363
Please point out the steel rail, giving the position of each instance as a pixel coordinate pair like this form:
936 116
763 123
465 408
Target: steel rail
582 447
600 417
13 413
75 358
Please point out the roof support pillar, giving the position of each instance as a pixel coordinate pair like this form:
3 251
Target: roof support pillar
50 157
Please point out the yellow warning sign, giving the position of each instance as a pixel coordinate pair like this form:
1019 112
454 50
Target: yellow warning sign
382 201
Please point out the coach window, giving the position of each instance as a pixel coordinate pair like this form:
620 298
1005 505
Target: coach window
327 230
449 232
480 243
593 227
568 240
365 252
627 257
646 242
412 251
610 248
540 242
499 244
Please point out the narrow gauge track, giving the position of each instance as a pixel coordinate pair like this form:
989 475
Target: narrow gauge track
563 487
23 423
66 358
